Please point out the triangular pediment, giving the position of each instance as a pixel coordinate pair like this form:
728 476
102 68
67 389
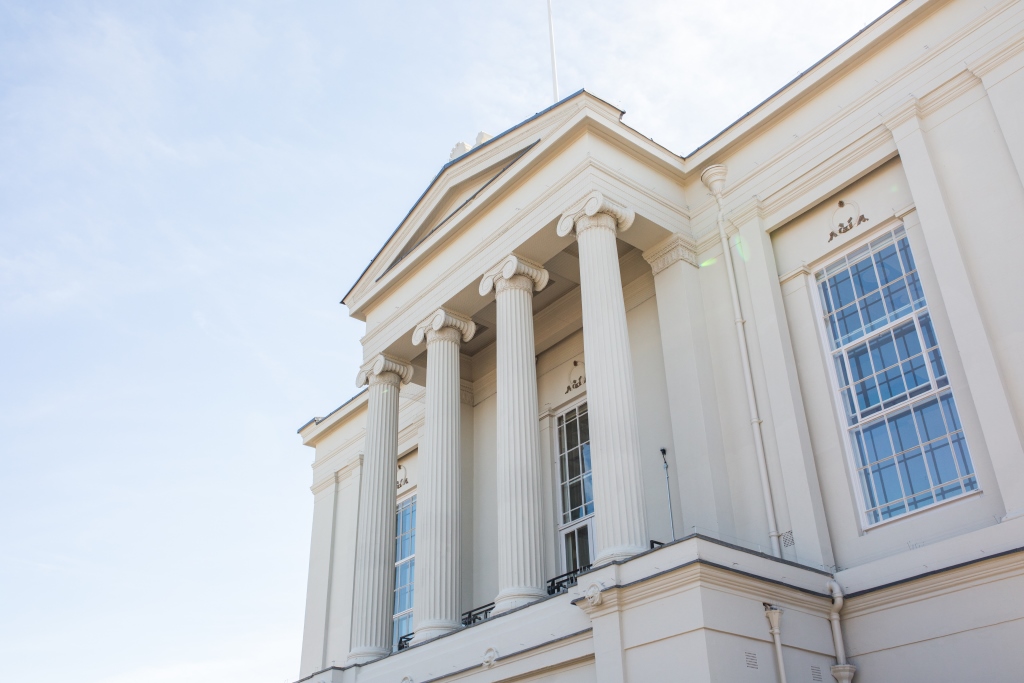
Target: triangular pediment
484 173
455 198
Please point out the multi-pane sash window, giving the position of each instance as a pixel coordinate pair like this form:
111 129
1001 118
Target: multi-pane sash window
575 486
904 429
405 565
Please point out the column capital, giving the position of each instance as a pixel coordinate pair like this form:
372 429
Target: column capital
593 204
672 250
373 370
508 268
440 319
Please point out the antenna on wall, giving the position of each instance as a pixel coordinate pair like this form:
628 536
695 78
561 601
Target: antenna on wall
554 65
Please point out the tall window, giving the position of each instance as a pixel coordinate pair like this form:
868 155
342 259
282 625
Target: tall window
405 565
576 488
908 444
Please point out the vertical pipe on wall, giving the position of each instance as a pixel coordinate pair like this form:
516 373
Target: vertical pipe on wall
774 615
842 671
713 178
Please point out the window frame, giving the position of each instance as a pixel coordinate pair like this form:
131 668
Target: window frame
829 353
395 616
562 529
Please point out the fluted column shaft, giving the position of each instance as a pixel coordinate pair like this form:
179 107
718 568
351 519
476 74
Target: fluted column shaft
375 542
436 605
520 490
621 515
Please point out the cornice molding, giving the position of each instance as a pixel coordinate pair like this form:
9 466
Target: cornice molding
340 475
597 599
948 91
672 250
936 585
984 66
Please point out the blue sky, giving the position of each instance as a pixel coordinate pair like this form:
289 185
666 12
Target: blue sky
186 192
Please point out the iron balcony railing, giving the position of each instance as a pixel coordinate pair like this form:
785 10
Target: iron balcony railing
477 614
404 641
562 582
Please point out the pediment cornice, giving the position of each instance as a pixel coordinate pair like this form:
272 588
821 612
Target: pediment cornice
525 149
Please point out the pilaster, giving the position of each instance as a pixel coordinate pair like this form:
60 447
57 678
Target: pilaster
982 372
803 502
693 402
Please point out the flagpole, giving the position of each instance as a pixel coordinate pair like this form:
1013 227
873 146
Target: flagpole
554 67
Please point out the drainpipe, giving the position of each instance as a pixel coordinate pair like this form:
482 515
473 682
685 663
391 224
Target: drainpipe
842 671
774 615
713 178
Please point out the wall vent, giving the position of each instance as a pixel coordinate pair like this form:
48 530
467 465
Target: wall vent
787 540
816 673
751 658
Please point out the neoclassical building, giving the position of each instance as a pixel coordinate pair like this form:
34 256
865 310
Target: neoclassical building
750 414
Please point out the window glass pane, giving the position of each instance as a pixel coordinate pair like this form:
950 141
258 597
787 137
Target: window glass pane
886 481
888 264
902 431
883 351
864 280
860 362
929 420
841 289
876 441
583 541
584 422
913 472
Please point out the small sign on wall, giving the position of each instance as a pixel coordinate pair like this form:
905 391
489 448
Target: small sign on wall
843 220
577 377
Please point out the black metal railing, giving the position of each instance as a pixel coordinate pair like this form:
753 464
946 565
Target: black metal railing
562 582
404 641
477 614
656 544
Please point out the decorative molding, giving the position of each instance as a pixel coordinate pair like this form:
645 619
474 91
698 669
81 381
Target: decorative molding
949 91
340 475
907 111
984 66
490 657
672 250
932 586
802 269
373 369
509 267
591 205
467 392
440 319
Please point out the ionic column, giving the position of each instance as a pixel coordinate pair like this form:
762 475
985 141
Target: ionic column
373 588
520 495
436 605
621 525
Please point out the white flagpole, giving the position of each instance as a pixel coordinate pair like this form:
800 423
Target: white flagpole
554 67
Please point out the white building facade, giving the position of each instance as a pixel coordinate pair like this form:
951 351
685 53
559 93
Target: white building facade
752 414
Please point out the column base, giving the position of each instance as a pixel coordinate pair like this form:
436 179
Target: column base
511 598
618 554
843 672
433 629
363 655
